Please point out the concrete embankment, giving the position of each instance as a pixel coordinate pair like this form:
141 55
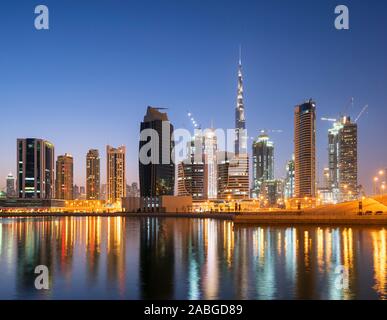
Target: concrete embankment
221 216
325 219
374 213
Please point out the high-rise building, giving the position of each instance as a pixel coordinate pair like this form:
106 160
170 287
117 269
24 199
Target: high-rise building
11 192
305 149
233 169
65 177
272 193
157 176
289 180
240 121
211 166
191 174
263 162
116 175
233 176
82 193
325 183
135 192
35 169
76 193
93 170
342 148
103 194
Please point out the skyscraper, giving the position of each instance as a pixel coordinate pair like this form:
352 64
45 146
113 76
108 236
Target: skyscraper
135 190
157 174
233 169
116 175
342 148
65 177
191 174
263 162
93 175
305 149
240 121
289 180
233 176
11 192
35 169
210 161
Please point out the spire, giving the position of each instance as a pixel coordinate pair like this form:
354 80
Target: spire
240 55
240 143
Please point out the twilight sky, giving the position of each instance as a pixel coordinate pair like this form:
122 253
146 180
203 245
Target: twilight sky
87 81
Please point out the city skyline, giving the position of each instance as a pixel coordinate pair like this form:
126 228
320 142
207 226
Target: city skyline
128 90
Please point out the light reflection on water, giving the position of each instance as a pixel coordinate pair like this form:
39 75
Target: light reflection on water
168 258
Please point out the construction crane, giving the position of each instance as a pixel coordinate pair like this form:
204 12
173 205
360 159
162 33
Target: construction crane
195 124
361 113
263 131
329 119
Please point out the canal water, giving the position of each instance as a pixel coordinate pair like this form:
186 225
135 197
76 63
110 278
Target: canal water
182 258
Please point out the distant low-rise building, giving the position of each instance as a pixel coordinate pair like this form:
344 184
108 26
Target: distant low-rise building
11 191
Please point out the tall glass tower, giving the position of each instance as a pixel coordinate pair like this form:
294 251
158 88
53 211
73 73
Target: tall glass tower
263 162
35 169
240 121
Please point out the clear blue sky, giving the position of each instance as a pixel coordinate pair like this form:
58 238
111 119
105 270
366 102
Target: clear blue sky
86 82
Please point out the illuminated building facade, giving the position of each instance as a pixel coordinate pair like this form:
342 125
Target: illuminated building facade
10 191
210 160
65 177
233 169
116 174
157 177
272 193
305 149
342 148
191 180
35 169
93 171
240 121
233 177
289 180
263 162
191 173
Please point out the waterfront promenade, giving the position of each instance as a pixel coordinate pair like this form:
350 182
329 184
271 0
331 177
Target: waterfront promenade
374 213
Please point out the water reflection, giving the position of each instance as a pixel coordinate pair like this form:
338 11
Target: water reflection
153 258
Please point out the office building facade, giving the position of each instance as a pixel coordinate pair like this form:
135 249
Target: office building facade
263 162
305 149
157 173
116 174
10 186
35 169
343 160
93 172
65 177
